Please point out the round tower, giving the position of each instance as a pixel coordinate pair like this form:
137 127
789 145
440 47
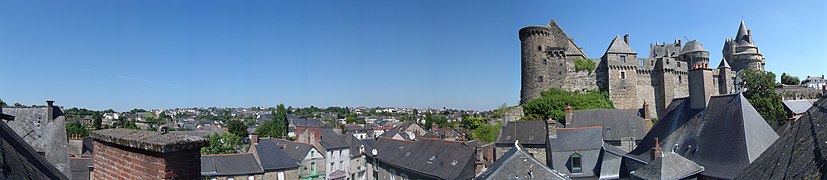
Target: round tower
534 50
695 54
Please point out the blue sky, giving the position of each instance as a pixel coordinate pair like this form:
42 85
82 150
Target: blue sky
456 54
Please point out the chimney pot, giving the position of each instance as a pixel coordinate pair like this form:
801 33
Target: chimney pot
50 109
646 114
569 114
254 138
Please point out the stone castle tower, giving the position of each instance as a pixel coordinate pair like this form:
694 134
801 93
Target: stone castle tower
741 52
547 56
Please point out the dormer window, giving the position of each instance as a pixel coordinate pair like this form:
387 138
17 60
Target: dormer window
433 158
576 163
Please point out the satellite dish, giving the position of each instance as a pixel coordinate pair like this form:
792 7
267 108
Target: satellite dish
374 152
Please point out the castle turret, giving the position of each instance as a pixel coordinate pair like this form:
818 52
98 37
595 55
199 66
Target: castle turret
701 85
726 78
547 57
618 73
741 52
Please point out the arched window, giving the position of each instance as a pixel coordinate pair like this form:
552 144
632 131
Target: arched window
576 163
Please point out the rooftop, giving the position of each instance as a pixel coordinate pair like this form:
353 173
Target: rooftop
149 140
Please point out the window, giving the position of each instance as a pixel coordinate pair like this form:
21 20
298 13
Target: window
679 64
623 59
312 168
392 174
576 163
622 75
230 178
251 178
680 79
539 48
640 62
545 61
312 153
540 79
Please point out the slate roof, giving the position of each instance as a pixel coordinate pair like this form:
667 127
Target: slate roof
723 138
519 164
576 139
272 157
742 38
692 46
800 153
432 158
528 132
573 50
670 166
724 64
799 106
229 164
80 168
664 50
20 160
619 46
296 150
616 123
353 143
611 158
331 140
307 122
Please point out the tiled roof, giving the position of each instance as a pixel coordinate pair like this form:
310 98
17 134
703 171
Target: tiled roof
616 123
433 158
272 157
670 166
331 140
296 150
20 160
229 164
576 139
519 164
723 138
799 106
619 46
528 132
800 152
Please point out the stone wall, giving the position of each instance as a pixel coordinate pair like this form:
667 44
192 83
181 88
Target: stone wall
133 154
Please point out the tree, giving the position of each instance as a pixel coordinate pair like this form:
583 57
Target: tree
552 103
486 133
760 92
74 127
97 119
275 127
786 79
224 143
238 128
3 103
472 123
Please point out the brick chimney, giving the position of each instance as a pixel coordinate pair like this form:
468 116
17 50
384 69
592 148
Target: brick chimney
254 138
551 126
700 85
50 110
135 154
434 126
646 114
656 151
569 114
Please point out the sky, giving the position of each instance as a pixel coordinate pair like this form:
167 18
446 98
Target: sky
464 54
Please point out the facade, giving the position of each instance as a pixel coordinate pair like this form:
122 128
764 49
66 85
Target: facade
309 158
337 154
548 55
814 82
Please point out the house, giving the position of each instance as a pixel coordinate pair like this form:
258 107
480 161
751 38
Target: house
359 131
445 133
21 160
532 136
582 153
337 154
275 163
622 128
814 82
421 159
519 164
411 128
43 128
796 108
358 168
800 151
396 134
311 160
231 166
484 154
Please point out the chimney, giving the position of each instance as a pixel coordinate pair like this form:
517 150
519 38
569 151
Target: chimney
254 138
646 114
128 154
551 127
679 42
626 38
50 112
434 126
569 114
700 85
656 151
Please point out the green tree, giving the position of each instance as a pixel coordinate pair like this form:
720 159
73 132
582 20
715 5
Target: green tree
97 119
760 92
552 103
3 103
486 133
787 79
275 127
238 128
224 143
472 123
74 127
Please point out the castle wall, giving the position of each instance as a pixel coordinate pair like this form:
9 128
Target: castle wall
622 80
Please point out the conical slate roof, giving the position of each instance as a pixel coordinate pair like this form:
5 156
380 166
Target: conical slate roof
620 46
742 38
800 152
723 64
692 46
669 166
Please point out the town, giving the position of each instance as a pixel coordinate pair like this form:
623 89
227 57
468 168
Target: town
413 90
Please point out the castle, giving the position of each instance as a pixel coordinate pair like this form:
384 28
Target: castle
549 57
